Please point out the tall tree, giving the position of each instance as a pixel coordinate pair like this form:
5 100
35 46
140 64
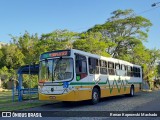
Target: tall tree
123 31
12 57
59 39
27 44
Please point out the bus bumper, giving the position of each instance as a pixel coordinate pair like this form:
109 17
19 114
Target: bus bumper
76 95
70 96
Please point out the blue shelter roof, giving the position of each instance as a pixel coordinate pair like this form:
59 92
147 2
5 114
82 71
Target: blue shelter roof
32 69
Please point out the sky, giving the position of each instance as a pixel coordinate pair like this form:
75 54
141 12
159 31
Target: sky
45 16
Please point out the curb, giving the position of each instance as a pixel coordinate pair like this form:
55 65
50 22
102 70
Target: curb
147 90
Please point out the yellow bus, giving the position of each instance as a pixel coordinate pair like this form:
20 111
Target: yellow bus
74 75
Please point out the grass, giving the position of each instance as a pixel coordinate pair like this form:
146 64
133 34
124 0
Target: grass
20 106
7 104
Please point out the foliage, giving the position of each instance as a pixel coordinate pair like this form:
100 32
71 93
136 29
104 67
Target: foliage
27 44
124 34
123 31
158 71
27 48
91 42
30 81
59 39
12 56
6 75
121 36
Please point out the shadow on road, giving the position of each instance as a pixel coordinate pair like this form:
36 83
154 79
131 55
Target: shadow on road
69 105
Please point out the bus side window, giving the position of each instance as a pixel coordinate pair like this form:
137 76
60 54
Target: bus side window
138 70
117 69
93 66
134 71
129 71
103 67
123 70
111 68
81 67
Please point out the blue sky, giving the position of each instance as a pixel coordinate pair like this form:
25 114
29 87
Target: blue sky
44 16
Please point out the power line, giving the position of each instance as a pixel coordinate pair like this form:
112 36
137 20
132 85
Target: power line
142 12
148 10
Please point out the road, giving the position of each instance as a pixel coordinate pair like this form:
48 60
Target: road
142 101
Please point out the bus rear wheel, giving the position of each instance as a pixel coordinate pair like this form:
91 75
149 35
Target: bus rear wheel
95 96
131 91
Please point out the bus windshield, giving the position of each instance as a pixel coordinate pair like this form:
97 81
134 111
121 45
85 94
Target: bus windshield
56 69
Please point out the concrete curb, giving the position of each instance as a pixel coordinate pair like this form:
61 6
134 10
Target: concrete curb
146 90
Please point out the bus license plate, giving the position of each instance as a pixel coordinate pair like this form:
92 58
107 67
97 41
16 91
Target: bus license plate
52 97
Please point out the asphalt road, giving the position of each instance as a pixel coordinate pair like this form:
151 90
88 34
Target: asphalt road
142 101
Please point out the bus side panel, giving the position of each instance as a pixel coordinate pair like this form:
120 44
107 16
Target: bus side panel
84 93
136 87
104 91
113 92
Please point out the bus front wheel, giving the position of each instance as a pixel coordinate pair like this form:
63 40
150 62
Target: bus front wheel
95 96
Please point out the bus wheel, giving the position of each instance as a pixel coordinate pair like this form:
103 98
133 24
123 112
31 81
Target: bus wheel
132 91
95 96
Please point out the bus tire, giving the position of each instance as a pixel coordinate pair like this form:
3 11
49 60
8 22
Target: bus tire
95 96
131 91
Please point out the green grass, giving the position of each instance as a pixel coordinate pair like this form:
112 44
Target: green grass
7 104
20 106
6 93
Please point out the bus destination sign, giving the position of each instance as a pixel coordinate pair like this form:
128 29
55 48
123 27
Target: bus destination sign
55 54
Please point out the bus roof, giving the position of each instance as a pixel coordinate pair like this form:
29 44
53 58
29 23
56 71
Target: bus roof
110 59
104 58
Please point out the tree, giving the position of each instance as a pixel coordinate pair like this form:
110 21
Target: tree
158 71
91 42
27 44
1 58
56 40
150 69
12 57
123 31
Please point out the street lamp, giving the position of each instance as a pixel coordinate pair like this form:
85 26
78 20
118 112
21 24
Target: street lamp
154 4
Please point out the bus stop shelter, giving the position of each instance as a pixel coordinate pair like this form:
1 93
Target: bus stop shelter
30 70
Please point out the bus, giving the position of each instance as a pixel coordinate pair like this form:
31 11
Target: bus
75 75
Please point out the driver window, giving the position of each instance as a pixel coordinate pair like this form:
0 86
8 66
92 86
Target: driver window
63 69
81 67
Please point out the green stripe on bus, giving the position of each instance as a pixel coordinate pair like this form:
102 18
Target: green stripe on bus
134 82
82 83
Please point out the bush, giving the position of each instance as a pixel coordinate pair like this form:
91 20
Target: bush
4 85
